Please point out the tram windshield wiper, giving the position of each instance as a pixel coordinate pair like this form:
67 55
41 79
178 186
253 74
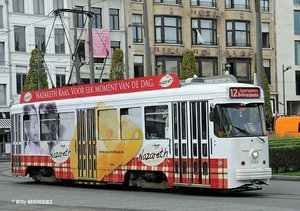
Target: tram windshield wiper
247 133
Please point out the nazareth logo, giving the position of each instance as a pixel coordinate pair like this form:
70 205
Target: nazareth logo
27 96
153 154
166 81
60 153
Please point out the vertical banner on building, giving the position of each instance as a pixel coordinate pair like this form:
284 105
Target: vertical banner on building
7 148
4 123
101 42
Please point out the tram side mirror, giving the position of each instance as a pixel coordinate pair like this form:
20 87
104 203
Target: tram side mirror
211 116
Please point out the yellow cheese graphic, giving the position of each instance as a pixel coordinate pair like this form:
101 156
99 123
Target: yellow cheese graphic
118 141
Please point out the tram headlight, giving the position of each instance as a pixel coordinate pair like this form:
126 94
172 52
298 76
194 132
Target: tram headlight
254 153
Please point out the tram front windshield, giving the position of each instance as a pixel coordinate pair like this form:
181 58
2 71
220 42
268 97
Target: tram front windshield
239 120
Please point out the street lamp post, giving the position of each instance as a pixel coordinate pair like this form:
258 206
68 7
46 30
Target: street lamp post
126 53
283 84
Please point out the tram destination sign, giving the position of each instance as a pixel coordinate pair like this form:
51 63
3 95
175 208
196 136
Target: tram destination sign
245 92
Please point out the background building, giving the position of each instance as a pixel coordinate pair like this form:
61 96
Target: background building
287 16
25 25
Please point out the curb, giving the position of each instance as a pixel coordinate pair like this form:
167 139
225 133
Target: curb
286 178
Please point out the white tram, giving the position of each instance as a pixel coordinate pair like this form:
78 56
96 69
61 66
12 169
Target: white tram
150 132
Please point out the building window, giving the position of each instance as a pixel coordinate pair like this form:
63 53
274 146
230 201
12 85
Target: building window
296 22
238 33
296 2
297 52
59 41
207 66
40 38
137 0
79 16
2 54
240 68
58 4
237 4
297 76
137 28
38 7
204 3
20 44
169 65
168 1
207 32
265 35
18 6
98 60
113 46
265 5
96 20
21 77
81 51
60 80
87 80
114 19
138 66
2 94
266 64
1 17
168 30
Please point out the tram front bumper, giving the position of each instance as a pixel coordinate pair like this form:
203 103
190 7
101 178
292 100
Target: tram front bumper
253 174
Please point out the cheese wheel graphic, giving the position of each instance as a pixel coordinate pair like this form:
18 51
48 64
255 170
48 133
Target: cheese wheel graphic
130 130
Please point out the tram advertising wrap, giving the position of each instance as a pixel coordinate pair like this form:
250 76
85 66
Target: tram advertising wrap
151 132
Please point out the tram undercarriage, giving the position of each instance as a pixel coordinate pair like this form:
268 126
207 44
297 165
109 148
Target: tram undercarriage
137 179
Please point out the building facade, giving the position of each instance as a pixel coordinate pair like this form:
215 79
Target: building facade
108 33
25 25
221 33
287 22
153 35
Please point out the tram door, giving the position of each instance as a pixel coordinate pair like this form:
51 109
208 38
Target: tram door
86 142
190 143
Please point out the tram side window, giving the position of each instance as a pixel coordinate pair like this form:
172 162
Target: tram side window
156 121
131 121
16 134
30 124
65 120
108 126
204 119
49 122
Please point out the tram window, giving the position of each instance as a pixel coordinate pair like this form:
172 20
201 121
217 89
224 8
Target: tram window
195 150
65 119
49 121
183 149
175 117
195 171
194 117
156 122
205 168
184 167
176 167
183 120
30 124
131 121
108 124
204 119
176 149
204 150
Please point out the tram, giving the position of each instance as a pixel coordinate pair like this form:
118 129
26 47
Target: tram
150 132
